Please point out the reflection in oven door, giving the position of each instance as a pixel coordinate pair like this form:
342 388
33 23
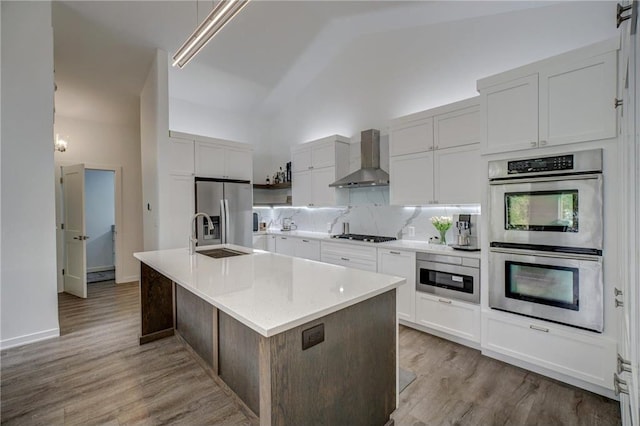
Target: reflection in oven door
558 288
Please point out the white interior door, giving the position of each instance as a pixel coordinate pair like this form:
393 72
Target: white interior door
75 245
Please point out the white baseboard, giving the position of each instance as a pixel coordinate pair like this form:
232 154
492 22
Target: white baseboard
128 279
29 338
101 268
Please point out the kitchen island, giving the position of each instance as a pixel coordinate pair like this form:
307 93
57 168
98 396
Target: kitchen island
298 341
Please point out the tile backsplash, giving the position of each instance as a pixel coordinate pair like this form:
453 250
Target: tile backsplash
384 220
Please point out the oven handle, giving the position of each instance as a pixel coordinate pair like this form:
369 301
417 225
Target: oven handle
516 179
589 257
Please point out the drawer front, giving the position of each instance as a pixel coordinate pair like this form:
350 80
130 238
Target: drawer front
365 265
588 358
308 249
349 251
448 316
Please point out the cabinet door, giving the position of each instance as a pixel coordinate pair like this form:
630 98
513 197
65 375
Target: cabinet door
411 138
238 164
457 128
260 242
577 101
323 195
180 207
285 245
301 159
271 243
301 188
308 249
401 264
209 159
458 175
509 112
411 179
458 319
181 156
323 155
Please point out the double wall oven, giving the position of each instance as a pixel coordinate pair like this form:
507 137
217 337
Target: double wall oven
546 236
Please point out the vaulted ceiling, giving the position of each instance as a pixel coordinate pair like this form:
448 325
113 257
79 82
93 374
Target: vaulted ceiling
103 49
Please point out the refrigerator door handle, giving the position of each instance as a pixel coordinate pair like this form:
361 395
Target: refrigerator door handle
226 221
223 224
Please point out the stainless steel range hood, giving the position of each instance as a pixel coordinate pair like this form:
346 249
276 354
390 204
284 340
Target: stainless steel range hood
370 173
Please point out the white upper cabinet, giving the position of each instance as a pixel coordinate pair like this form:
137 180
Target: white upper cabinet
510 113
181 157
411 137
435 156
208 157
315 165
577 101
565 99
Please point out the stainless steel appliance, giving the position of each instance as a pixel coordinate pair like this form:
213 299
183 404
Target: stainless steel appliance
370 173
468 235
229 203
551 202
546 236
366 238
448 276
562 288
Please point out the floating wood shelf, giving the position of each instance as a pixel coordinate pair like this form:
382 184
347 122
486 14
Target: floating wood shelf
284 185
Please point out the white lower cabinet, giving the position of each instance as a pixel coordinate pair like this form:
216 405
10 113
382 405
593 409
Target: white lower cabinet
260 242
577 354
285 245
352 256
459 319
271 243
401 264
308 249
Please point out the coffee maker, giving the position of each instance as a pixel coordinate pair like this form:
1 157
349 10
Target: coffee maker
468 232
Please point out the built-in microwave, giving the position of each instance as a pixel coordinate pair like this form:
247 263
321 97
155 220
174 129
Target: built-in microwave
448 276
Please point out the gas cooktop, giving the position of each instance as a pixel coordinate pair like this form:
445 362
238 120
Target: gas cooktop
367 238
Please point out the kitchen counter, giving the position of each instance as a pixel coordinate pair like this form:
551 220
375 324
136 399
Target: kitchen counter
267 292
410 245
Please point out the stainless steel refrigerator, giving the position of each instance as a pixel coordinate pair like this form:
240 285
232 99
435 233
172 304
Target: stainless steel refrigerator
229 203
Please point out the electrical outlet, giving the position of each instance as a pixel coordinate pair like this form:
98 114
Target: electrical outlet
412 231
328 226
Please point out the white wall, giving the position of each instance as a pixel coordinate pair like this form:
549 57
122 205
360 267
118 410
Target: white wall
28 297
384 75
99 209
154 127
109 145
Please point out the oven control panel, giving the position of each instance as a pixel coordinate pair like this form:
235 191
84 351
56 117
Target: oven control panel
535 165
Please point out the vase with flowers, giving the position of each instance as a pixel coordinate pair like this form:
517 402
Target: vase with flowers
442 224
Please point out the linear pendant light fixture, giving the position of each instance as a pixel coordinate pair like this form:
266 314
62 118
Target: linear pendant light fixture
222 13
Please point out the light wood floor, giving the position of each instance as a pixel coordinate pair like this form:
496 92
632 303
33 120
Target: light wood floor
96 373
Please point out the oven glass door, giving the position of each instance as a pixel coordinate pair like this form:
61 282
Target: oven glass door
563 289
551 212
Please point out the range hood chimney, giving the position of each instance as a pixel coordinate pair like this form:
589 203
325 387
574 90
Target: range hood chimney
370 173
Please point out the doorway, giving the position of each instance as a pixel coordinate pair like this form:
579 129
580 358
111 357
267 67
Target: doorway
88 215
100 222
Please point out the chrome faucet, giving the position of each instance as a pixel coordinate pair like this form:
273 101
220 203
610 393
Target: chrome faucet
192 238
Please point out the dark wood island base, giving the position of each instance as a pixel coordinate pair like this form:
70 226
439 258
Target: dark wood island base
346 373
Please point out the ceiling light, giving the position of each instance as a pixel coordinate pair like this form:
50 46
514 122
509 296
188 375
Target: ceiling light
222 13
60 144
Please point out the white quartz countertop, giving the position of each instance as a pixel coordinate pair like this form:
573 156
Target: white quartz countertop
411 245
268 292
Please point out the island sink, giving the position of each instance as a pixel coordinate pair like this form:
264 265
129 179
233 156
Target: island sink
219 253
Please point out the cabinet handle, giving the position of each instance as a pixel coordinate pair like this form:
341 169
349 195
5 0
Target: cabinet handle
283 238
534 144
617 292
448 302
619 385
618 303
543 143
345 259
623 365
394 252
535 327
430 148
305 241
436 147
